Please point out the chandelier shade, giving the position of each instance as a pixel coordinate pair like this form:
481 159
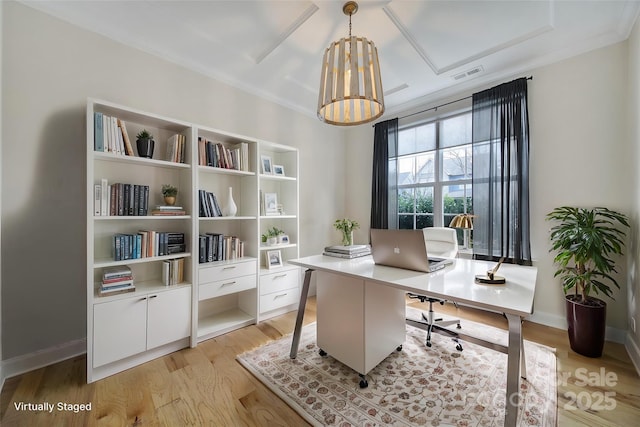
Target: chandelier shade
350 83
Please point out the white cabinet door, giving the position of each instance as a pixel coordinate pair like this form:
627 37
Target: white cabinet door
169 316
119 329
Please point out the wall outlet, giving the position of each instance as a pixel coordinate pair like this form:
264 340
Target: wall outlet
633 325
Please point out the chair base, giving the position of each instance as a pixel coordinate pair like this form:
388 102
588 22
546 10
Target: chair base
436 325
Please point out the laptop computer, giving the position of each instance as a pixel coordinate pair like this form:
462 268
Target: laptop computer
404 249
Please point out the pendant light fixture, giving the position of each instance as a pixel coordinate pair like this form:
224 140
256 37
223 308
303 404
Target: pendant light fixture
350 83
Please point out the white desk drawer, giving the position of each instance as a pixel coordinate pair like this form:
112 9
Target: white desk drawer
279 281
225 287
226 271
279 299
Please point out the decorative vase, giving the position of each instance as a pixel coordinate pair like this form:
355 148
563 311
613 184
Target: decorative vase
230 209
145 147
347 238
169 200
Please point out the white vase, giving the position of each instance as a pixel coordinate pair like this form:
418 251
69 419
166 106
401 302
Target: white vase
230 208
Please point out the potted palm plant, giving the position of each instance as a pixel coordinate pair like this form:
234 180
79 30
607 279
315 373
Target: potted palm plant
585 242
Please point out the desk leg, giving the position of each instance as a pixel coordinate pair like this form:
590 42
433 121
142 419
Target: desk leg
514 354
301 306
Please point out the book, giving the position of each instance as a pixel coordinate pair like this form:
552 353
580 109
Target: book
105 292
168 213
125 136
104 194
348 249
168 208
117 285
346 256
117 271
98 132
97 200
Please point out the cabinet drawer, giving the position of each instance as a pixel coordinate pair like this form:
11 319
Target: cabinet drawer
226 271
279 299
279 281
225 287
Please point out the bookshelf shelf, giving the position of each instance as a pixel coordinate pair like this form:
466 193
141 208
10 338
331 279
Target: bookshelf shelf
204 303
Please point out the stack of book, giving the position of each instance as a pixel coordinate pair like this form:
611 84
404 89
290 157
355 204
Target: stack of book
116 280
353 251
168 210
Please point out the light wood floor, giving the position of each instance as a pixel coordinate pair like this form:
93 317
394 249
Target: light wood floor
205 386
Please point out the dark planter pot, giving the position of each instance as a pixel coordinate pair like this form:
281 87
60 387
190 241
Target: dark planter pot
587 324
145 147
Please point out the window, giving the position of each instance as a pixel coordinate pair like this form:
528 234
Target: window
433 170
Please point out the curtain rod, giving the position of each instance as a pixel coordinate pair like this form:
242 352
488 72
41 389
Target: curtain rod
442 105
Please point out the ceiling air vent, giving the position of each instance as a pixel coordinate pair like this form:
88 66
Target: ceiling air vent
469 73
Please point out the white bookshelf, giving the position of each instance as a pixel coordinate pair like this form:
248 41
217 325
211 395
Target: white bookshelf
215 297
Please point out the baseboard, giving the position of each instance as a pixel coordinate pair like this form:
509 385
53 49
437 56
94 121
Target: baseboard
634 352
38 359
560 322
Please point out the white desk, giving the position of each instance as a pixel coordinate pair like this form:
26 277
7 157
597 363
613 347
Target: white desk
358 287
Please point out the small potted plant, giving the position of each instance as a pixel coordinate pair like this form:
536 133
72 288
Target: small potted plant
169 192
346 226
586 241
270 237
145 144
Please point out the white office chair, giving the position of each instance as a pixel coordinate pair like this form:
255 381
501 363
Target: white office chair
441 242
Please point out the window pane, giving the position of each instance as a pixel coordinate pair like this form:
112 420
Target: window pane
406 170
425 167
456 163
423 221
406 201
455 131
424 200
417 139
405 222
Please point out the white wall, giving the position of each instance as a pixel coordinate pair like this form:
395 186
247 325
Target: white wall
50 68
633 291
579 156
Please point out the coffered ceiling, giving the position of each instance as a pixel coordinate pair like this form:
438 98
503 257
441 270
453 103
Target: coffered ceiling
427 49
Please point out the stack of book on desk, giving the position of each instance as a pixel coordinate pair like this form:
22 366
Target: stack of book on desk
168 210
116 280
353 251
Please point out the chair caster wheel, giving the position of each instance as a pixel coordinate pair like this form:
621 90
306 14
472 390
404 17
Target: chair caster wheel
322 353
459 347
363 382
428 343
459 327
399 348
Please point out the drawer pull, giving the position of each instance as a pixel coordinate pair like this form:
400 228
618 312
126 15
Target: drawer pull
280 295
143 299
153 296
231 267
280 276
228 283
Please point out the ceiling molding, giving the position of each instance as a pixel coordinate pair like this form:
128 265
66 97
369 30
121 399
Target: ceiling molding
306 14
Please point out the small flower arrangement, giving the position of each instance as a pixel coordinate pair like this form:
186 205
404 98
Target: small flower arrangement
169 190
346 226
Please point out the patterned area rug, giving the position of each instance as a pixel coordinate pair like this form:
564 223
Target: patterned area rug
418 386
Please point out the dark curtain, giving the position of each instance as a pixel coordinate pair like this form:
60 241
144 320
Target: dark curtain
501 173
384 212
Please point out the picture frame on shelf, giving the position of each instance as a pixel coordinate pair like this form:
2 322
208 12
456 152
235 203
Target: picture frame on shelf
267 166
271 204
278 170
283 239
273 259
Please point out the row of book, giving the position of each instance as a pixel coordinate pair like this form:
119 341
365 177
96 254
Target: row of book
110 135
217 155
172 271
176 148
218 247
116 280
147 243
352 251
208 204
120 199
